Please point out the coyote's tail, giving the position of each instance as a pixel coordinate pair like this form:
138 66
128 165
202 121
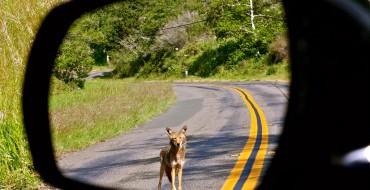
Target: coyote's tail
168 173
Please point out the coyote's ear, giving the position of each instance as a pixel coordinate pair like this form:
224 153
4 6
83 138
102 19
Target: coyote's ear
184 128
169 131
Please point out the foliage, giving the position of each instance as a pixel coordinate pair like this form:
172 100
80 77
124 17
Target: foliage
228 18
145 38
57 86
278 50
234 18
236 42
157 37
73 63
130 33
93 36
211 58
175 32
237 56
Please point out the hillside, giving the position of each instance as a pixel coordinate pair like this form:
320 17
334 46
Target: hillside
161 40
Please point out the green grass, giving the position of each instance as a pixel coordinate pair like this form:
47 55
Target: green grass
104 109
252 71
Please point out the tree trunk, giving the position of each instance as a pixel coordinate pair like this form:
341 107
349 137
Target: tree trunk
252 14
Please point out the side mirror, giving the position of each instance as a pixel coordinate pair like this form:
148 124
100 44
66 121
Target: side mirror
328 106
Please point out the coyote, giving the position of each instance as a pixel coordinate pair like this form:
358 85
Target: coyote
173 157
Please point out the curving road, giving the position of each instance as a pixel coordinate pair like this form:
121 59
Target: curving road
232 129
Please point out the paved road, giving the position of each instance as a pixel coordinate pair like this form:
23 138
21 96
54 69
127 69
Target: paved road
96 74
219 127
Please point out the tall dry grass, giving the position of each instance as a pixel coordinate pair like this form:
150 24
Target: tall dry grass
19 21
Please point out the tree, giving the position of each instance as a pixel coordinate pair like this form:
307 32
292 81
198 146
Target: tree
240 18
91 38
74 62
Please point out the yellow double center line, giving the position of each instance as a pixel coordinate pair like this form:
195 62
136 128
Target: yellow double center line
248 167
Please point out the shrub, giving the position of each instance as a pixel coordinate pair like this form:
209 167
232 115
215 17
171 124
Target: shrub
57 86
278 50
74 62
175 32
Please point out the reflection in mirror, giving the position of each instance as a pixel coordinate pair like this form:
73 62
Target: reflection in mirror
358 156
126 72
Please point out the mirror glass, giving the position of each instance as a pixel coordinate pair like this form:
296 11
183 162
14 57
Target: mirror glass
130 76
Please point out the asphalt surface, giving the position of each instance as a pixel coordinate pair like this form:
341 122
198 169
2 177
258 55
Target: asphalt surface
218 123
97 74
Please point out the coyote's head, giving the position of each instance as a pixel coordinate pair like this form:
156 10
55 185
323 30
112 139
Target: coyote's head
177 139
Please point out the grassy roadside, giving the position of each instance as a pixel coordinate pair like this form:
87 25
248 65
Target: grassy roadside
19 20
261 73
105 108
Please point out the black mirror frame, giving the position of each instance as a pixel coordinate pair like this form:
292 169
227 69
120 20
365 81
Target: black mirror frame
36 88
329 47
310 32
